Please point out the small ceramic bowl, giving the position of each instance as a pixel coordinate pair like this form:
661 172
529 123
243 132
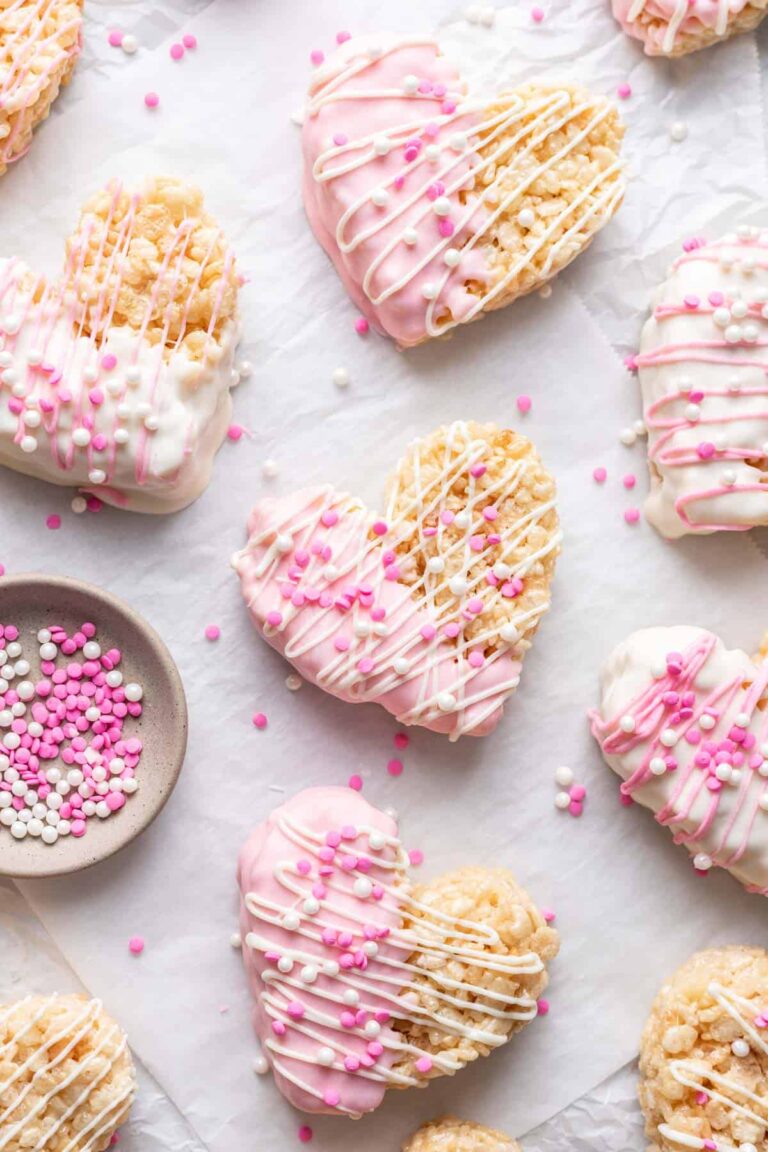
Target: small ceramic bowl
32 602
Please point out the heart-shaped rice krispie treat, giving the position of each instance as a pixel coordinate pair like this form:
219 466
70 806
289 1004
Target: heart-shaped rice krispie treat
436 206
702 366
365 981
704 1055
40 42
67 1079
427 610
676 27
116 377
683 721
452 1135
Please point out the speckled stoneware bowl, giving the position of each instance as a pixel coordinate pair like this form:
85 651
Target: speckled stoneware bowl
31 602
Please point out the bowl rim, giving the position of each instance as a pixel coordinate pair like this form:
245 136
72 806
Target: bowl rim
166 661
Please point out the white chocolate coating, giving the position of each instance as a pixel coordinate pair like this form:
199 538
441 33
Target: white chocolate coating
702 366
715 724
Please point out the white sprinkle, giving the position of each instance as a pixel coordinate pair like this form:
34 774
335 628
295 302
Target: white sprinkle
341 377
658 766
692 413
446 702
381 145
627 723
509 633
452 257
410 237
702 862
97 476
678 131
429 291
564 776
740 1048
410 84
293 682
442 206
28 444
669 738
628 436
562 800
325 1057
129 44
133 692
380 197
526 218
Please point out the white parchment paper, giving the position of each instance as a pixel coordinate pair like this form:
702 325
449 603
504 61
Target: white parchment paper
628 905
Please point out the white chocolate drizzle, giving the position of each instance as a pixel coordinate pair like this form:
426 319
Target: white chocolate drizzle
734 1097
44 1063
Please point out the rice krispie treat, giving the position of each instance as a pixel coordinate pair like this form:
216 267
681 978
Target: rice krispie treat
427 609
363 981
683 721
704 1055
67 1079
702 367
40 42
676 27
117 376
436 206
452 1135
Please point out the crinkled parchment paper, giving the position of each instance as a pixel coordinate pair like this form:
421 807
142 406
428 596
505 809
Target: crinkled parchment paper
629 906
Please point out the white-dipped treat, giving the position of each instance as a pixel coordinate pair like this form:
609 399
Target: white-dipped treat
702 366
116 379
681 722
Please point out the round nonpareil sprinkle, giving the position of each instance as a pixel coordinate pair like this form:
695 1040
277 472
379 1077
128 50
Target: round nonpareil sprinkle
395 767
259 721
632 515
212 632
537 14
355 782
361 326
523 404
624 91
600 475
401 740
151 99
53 521
305 1133
136 945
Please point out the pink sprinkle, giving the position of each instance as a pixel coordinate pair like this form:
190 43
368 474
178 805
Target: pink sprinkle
477 470
600 475
401 740
691 301
705 450
361 326
624 91
395 767
278 1028
53 522
342 37
629 480
305 1134
332 1098
710 1146
632 515
537 14
136 945
575 808
259 721
189 41
340 139
108 362
702 1098
416 856
177 51
548 915
716 299
365 666
380 528
355 783
212 632
151 99
446 227
116 38
424 1065
316 56
578 792
523 404
542 1007
295 1010
235 432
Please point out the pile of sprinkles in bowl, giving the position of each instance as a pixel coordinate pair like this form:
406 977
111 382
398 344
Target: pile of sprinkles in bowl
64 758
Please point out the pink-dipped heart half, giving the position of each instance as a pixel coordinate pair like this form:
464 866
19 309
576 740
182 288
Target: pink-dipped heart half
427 609
364 981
